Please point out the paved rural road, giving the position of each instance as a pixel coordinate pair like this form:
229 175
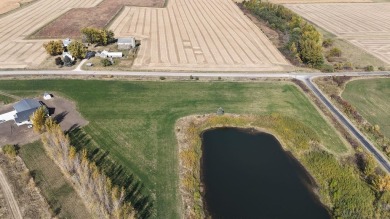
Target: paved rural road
305 77
13 205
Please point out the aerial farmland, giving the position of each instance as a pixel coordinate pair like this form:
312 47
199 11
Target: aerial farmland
366 25
198 35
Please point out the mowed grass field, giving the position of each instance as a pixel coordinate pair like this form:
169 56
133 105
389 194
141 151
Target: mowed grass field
135 121
372 100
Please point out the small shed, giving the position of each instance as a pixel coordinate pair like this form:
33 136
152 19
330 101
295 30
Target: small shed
47 96
66 42
126 43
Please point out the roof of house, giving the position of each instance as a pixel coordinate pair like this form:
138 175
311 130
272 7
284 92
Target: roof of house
126 40
26 104
25 108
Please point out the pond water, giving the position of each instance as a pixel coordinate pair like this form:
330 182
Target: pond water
247 174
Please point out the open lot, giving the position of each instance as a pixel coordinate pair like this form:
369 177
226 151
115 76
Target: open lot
372 100
366 25
198 35
15 51
135 121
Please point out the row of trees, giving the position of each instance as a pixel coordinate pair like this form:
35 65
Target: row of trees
98 36
305 42
76 48
103 198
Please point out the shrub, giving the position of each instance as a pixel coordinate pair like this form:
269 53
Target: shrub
327 43
369 68
54 47
348 66
10 150
58 61
162 78
327 68
191 77
334 52
105 62
381 68
197 78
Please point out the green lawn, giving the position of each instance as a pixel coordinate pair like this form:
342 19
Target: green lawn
134 121
6 99
372 100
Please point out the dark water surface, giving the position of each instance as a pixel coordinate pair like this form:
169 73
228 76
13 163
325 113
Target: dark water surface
247 174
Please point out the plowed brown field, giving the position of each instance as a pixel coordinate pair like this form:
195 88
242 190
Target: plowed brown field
70 23
366 25
198 35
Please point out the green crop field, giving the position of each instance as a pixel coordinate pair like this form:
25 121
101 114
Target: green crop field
135 121
372 100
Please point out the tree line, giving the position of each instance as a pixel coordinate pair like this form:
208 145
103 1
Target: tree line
105 199
305 42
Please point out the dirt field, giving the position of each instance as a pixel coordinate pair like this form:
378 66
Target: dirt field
9 5
198 35
15 52
364 25
70 23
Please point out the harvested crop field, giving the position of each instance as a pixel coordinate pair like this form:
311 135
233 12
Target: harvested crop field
366 25
15 51
315 1
198 35
70 23
9 5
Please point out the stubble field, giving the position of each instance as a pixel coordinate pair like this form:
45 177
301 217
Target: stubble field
198 35
9 5
15 50
366 25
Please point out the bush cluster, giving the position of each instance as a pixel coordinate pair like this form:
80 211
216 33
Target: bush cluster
99 36
305 42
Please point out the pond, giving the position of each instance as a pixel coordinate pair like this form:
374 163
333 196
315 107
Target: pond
247 174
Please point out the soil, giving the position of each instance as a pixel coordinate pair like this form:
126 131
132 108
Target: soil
70 23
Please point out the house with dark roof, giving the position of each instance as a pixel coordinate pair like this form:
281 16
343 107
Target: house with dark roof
24 109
